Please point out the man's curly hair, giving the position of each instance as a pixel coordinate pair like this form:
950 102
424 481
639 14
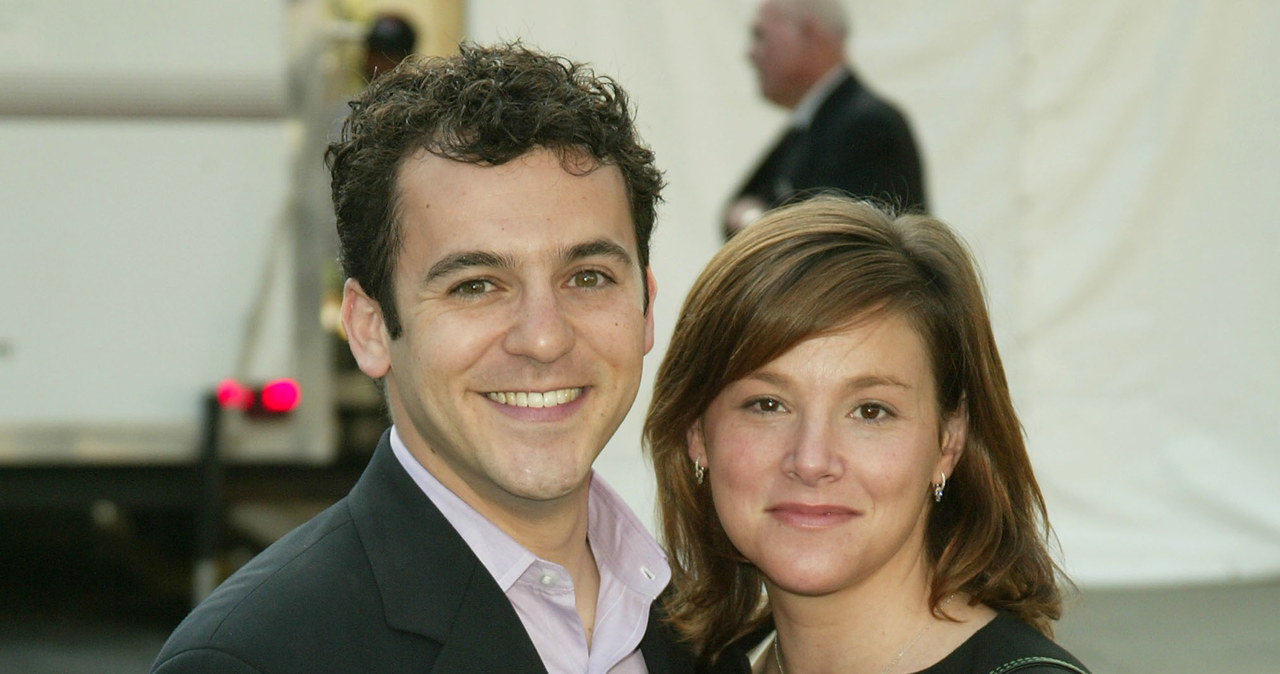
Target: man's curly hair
486 105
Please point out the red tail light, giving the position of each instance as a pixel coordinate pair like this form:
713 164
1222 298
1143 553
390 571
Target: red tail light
275 397
279 396
234 395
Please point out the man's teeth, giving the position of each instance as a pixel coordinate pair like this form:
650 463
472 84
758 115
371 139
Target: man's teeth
536 398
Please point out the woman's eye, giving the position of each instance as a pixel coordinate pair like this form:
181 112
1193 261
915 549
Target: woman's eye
765 405
871 412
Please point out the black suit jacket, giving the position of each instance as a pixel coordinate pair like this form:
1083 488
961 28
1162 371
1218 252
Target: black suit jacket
378 582
856 143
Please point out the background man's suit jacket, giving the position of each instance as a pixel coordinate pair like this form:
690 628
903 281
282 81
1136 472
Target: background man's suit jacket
857 143
379 582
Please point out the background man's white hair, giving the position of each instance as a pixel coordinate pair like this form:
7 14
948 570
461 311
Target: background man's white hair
829 14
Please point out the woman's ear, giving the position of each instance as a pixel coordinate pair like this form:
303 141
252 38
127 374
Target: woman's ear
955 434
697 444
366 332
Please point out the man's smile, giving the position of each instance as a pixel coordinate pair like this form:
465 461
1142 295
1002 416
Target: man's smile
535 398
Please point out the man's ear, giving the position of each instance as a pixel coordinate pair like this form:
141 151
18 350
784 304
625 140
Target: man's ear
366 332
648 314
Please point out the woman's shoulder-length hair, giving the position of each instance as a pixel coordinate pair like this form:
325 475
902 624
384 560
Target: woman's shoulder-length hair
812 268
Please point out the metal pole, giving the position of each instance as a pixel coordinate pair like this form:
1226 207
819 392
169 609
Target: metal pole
204 576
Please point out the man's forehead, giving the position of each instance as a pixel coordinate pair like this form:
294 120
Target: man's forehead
532 210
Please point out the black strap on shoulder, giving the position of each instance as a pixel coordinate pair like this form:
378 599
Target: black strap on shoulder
1033 661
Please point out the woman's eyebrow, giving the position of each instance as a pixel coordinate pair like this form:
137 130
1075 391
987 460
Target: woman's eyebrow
857 383
874 380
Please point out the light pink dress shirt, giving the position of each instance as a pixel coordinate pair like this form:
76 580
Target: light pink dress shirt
633 572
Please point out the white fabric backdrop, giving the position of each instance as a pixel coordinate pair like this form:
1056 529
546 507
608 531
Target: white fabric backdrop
1115 167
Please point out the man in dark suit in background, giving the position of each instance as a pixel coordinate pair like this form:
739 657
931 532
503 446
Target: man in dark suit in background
840 136
494 211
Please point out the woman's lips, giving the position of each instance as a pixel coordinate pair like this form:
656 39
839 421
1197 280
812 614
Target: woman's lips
807 516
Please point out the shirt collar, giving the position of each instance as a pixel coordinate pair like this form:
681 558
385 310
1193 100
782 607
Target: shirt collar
804 111
621 544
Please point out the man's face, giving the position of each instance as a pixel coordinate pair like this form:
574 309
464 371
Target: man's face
777 51
521 296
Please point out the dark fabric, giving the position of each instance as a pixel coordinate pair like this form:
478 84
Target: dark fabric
1001 642
857 143
378 582
1003 646
734 658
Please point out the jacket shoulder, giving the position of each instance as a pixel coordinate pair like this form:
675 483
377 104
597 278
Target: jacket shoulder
301 593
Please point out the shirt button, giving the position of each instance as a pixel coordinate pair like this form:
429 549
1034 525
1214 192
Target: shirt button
547 579
647 573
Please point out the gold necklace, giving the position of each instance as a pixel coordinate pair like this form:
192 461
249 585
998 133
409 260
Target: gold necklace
904 650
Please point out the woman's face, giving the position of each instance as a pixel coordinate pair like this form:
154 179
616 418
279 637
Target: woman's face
820 462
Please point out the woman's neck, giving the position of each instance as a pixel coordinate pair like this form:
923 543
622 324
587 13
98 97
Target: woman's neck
862 628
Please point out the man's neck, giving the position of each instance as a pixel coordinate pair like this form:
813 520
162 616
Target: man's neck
804 110
561 538
554 530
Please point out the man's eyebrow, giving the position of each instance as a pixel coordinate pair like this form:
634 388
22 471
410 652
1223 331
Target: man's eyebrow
599 247
452 264
457 262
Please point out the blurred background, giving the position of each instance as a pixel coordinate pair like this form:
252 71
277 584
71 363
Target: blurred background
165 230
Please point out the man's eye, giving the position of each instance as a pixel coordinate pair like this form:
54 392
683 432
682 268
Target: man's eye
472 287
588 279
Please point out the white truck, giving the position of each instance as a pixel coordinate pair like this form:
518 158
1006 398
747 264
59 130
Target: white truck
164 226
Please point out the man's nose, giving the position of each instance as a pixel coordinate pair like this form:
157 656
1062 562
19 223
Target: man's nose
540 328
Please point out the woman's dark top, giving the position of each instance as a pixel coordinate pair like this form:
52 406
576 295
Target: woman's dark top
1003 646
1007 644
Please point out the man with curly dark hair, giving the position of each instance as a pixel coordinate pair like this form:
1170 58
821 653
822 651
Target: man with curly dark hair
494 211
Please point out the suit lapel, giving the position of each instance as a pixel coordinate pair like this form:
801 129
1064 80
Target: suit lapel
484 638
430 582
662 650
789 162
764 180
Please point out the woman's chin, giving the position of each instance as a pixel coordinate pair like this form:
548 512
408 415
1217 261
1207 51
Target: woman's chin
806 581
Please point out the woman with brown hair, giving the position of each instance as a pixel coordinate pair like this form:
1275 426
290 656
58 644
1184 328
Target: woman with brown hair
842 480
